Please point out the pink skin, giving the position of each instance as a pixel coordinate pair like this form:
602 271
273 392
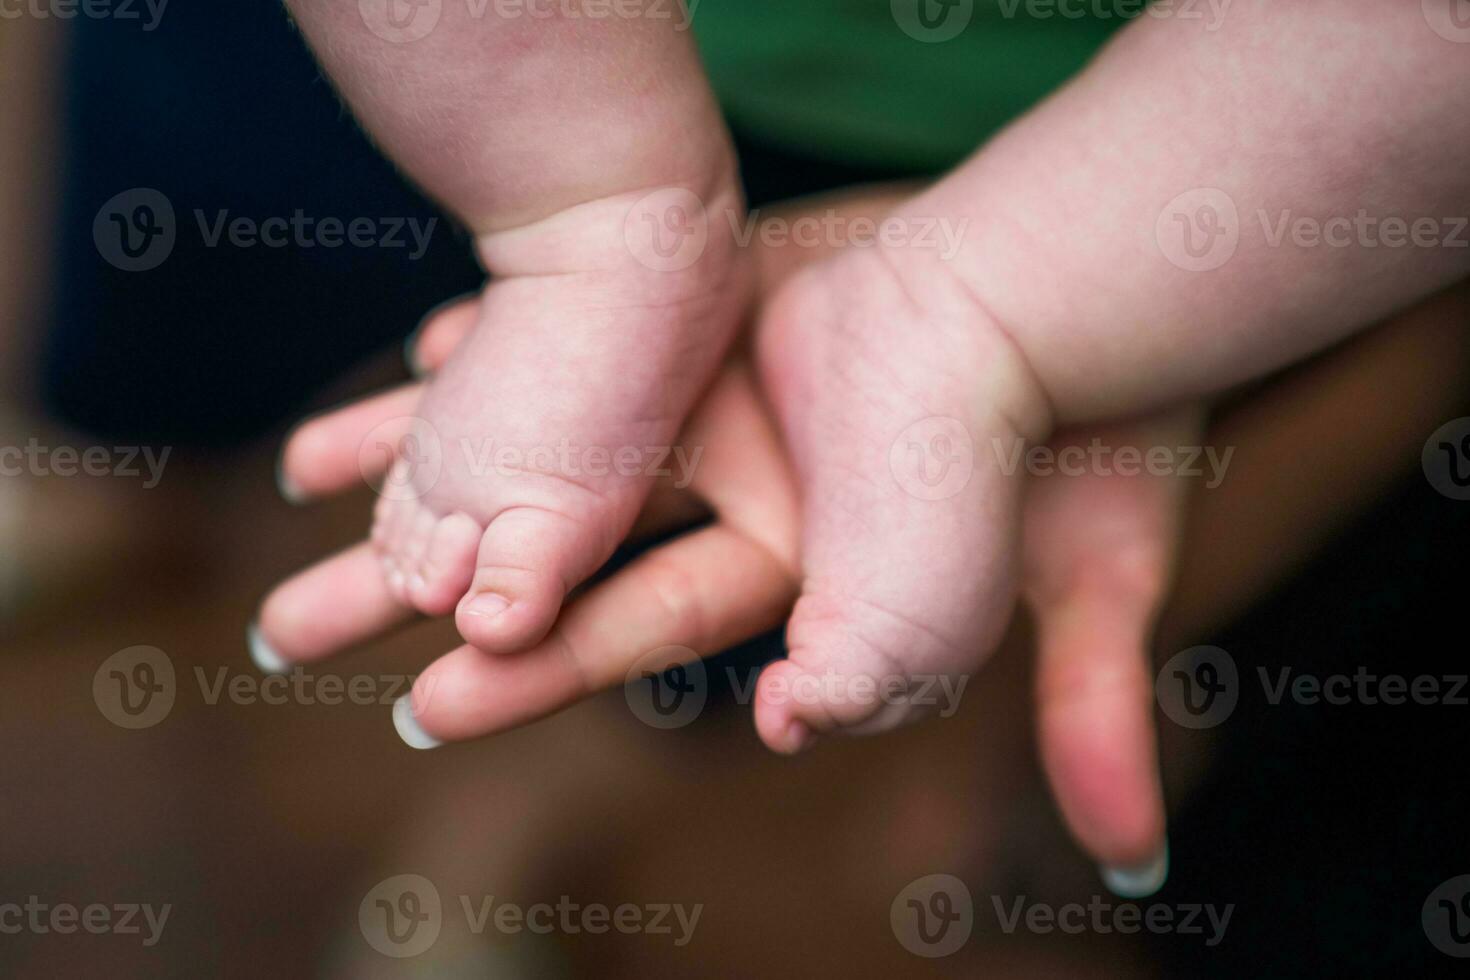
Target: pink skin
720 580
572 147
525 423
1021 332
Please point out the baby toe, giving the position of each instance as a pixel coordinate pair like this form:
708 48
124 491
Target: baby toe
528 559
447 564
856 669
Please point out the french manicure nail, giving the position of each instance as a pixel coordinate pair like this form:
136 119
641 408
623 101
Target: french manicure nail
1140 880
290 492
409 728
266 659
411 352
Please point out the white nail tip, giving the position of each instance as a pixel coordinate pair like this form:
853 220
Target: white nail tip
265 658
1139 881
408 726
289 491
411 353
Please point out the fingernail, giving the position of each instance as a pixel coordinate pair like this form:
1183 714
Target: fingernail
1140 880
265 658
411 351
290 492
487 604
408 727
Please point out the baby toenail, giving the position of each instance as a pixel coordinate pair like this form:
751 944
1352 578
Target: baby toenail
487 604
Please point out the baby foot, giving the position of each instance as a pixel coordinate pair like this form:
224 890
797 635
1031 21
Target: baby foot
534 448
900 401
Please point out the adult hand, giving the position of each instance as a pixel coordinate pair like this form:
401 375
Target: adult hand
1098 550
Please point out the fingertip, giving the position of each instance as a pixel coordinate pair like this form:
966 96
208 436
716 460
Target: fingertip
287 488
411 359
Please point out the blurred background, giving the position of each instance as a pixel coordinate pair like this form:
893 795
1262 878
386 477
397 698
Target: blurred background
222 827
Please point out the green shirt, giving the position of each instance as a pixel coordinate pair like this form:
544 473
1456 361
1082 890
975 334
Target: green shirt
905 83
